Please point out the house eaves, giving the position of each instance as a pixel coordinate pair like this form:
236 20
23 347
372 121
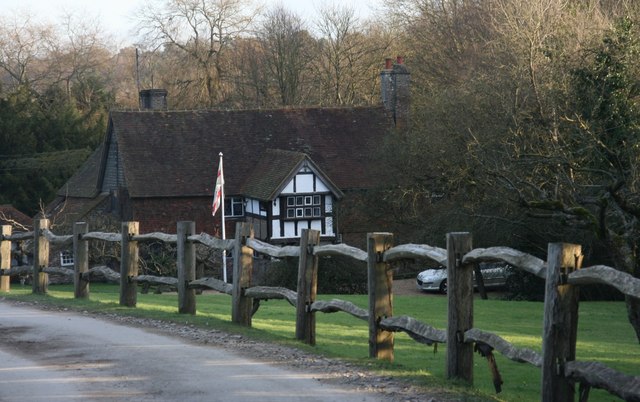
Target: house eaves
275 169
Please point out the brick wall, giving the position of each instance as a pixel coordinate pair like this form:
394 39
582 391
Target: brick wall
162 215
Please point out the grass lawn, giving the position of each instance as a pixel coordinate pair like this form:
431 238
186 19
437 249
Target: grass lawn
603 335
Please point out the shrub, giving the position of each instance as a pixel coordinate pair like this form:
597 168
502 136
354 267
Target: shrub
158 258
522 285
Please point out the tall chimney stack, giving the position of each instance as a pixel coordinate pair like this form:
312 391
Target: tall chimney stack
396 91
153 99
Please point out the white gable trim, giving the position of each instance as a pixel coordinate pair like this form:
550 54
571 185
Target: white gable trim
305 202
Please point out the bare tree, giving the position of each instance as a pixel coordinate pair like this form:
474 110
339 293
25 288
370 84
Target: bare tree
200 32
286 49
70 60
79 64
348 61
253 86
76 52
22 44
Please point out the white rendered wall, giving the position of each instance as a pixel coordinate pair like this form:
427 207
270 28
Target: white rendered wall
302 184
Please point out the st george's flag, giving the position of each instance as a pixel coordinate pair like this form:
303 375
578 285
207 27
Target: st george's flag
219 190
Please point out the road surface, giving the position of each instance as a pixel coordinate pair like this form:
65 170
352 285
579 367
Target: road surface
59 356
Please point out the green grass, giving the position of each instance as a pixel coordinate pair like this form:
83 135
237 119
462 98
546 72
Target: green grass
603 335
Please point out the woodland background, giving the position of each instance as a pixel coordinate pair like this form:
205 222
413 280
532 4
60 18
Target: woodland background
525 113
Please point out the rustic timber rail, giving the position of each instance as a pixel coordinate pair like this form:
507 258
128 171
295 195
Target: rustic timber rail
562 272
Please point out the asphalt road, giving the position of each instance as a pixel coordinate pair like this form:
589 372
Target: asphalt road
55 356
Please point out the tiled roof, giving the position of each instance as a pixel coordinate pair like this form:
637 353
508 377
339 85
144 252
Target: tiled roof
175 153
270 172
274 170
12 214
84 183
66 210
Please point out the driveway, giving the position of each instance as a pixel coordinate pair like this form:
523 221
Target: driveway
56 356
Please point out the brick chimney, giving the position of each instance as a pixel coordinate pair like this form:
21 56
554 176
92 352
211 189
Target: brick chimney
396 91
153 99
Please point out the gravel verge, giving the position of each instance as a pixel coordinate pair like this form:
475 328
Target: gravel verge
329 370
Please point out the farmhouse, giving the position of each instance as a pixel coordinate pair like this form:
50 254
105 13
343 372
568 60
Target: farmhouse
284 169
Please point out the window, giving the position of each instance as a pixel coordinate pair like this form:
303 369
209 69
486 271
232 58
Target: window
66 258
234 206
307 206
263 206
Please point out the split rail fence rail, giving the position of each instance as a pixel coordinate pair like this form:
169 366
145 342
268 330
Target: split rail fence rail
562 271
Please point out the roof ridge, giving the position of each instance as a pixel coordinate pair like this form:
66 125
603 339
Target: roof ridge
281 109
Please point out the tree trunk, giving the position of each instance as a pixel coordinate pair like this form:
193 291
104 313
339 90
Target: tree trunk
633 304
633 312
624 256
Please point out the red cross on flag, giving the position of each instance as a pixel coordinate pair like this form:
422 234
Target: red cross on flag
218 193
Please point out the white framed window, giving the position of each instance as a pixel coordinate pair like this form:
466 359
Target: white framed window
303 206
233 206
66 258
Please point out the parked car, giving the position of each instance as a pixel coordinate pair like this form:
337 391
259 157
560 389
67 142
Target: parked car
435 279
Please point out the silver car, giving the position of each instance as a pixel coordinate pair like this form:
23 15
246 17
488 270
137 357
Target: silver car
435 279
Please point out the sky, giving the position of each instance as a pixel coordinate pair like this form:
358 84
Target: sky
116 14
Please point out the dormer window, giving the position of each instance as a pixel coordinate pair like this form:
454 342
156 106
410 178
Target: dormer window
296 195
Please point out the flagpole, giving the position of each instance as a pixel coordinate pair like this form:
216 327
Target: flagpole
224 231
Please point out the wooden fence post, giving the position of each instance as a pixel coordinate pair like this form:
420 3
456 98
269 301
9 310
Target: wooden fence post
307 286
186 268
80 260
40 256
560 329
5 259
129 265
242 306
460 307
380 281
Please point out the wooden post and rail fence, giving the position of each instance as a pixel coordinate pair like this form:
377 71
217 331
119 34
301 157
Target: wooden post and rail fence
562 271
